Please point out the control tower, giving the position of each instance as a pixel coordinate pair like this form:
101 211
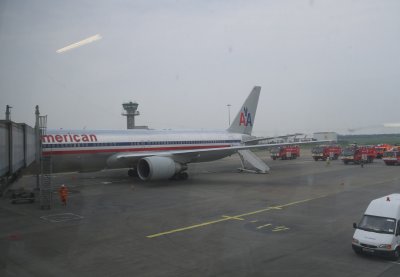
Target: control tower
130 113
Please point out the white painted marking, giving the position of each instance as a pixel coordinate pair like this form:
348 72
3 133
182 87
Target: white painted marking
55 218
263 226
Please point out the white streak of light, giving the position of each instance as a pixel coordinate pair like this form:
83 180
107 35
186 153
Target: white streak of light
80 43
391 125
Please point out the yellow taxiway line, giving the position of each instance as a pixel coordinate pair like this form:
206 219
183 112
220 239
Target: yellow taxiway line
234 217
189 227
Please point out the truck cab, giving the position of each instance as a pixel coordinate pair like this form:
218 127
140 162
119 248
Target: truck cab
378 232
285 152
392 157
358 154
381 149
324 152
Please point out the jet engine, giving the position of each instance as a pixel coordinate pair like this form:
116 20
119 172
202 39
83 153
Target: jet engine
158 168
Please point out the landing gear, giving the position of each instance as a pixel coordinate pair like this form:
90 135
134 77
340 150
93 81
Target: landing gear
183 176
180 176
132 172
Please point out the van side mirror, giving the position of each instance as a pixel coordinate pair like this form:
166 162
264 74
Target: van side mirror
355 225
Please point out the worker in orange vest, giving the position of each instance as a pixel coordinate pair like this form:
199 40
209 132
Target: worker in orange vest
63 192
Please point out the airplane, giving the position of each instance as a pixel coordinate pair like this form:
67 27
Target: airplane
155 154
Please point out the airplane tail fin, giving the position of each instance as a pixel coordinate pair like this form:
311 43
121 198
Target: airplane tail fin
244 120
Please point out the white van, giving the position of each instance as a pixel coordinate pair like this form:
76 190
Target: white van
378 232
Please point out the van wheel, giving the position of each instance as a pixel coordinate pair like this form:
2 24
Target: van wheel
396 254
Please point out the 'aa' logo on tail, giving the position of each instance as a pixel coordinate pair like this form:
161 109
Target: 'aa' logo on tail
245 118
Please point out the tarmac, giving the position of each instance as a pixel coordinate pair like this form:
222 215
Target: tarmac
294 221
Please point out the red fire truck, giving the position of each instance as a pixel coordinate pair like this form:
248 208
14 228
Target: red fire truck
358 154
381 148
285 152
324 151
392 157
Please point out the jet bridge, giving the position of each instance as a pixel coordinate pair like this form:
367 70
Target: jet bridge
17 148
20 146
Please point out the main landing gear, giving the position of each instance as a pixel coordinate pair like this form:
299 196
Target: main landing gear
183 175
180 176
133 172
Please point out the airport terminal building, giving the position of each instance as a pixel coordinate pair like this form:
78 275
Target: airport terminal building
325 136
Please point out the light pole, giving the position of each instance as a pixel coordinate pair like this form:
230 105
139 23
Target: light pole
229 113
8 112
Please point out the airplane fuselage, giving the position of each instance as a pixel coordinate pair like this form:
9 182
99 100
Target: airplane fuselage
89 150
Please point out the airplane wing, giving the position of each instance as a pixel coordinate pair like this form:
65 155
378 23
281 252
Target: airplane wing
256 140
195 155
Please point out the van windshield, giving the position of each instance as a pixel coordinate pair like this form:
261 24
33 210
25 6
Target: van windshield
377 224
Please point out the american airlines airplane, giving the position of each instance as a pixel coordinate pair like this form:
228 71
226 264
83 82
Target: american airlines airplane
154 154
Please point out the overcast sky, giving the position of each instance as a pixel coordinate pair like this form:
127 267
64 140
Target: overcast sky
322 65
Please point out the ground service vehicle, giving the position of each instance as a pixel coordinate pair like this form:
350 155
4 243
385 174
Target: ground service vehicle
378 232
22 195
285 152
382 148
392 157
324 151
358 154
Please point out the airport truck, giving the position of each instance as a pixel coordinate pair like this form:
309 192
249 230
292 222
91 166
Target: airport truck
381 149
378 232
323 152
392 157
285 152
358 154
